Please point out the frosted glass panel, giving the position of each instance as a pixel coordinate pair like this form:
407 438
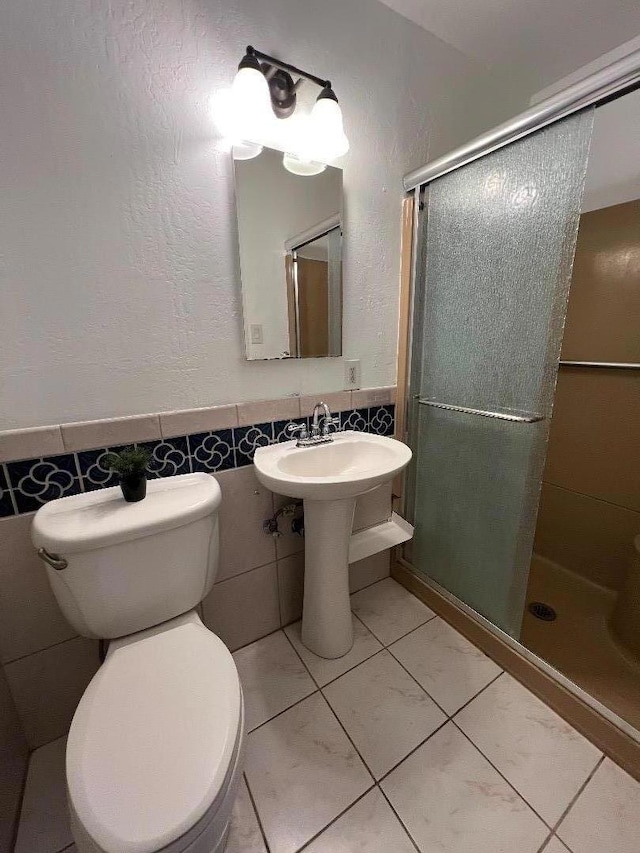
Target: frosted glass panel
500 239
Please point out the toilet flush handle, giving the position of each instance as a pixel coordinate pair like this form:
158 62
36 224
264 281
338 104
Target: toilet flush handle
54 560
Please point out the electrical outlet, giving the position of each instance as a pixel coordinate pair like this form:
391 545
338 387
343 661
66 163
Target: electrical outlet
256 334
352 374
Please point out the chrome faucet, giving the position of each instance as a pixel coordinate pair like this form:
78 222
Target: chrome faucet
321 423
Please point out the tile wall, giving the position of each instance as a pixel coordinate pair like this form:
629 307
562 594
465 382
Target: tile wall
260 579
590 504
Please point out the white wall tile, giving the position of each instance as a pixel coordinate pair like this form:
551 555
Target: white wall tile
189 421
44 820
29 443
14 754
48 685
338 401
291 587
30 619
366 397
373 507
244 608
264 411
246 503
109 432
370 570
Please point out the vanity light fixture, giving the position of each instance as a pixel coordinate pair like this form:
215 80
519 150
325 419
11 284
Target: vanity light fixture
263 90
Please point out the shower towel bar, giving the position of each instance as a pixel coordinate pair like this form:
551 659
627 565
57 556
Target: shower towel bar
611 365
501 416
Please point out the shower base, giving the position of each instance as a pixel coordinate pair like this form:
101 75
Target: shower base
578 642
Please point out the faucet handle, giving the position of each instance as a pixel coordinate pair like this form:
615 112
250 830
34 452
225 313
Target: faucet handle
292 429
327 423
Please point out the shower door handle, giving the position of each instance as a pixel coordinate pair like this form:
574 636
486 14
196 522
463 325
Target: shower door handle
505 415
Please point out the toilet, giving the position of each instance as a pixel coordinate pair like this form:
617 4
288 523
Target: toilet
154 753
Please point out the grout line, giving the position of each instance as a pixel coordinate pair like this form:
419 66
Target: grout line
575 798
257 813
501 774
545 843
421 625
335 819
284 710
39 651
402 823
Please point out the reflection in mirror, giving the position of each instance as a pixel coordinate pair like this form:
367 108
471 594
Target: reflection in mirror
290 241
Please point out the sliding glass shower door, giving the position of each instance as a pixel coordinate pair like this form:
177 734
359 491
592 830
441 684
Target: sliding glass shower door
491 291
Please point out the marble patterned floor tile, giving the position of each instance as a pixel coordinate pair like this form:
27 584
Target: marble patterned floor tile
44 819
389 610
386 714
451 800
606 815
540 754
272 676
303 772
324 670
370 826
446 664
245 835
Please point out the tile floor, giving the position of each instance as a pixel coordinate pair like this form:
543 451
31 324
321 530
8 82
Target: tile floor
414 741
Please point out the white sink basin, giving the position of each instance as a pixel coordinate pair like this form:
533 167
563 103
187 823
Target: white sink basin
329 477
353 463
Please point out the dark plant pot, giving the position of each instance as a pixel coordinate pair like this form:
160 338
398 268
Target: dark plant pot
133 488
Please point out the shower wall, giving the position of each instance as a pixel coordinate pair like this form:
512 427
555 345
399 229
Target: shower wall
590 506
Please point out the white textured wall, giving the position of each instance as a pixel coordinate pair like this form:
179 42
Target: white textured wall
120 285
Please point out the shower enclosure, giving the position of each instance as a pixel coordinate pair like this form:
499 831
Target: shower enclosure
494 245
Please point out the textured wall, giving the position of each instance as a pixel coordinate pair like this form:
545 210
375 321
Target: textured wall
120 284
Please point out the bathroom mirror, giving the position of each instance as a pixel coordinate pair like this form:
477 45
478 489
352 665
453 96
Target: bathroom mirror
290 243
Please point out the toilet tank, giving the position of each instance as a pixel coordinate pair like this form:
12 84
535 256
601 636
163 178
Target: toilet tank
130 566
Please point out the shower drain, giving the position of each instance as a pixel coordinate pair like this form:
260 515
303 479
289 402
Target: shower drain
542 611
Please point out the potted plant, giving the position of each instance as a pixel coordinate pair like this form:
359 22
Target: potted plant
131 467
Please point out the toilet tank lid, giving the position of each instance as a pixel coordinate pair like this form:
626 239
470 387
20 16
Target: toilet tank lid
100 518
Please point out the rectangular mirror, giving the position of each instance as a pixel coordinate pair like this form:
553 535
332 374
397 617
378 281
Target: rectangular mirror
290 235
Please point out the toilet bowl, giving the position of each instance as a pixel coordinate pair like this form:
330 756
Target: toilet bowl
154 753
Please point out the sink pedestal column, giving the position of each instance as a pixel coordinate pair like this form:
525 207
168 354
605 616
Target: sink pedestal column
326 617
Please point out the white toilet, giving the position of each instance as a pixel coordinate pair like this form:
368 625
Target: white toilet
154 754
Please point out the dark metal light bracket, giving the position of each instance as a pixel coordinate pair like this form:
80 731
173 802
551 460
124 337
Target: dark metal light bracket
282 86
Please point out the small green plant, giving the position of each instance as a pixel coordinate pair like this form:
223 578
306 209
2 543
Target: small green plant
130 464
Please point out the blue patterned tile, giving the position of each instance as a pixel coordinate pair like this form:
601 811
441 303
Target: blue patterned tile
247 439
382 420
37 481
6 504
212 451
281 429
358 420
169 456
94 471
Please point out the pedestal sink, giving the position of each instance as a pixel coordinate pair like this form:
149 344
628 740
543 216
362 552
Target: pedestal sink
329 477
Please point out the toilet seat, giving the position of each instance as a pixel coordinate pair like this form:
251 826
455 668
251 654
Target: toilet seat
154 750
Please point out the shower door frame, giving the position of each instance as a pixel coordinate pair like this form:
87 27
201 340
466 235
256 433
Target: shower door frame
610 83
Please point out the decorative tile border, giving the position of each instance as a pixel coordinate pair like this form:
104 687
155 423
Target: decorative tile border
26 485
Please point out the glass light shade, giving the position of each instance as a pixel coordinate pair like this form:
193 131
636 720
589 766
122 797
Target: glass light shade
326 137
298 166
246 150
251 104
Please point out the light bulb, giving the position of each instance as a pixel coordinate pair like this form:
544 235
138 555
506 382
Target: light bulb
298 166
326 137
251 104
